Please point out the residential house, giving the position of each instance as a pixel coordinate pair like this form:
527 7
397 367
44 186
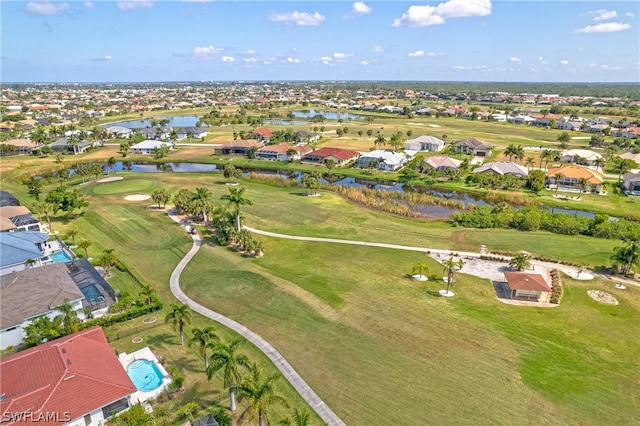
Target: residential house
195 132
573 126
76 380
263 134
503 168
584 157
631 183
521 119
31 293
570 177
156 133
238 147
472 146
597 128
8 199
278 152
149 147
18 248
98 294
631 156
308 137
18 218
424 143
341 157
67 146
24 146
527 286
442 163
383 160
119 132
631 132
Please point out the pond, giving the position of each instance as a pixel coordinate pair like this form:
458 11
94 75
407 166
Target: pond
466 197
329 115
174 121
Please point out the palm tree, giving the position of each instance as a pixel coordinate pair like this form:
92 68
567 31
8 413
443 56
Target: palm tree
73 233
420 271
510 151
530 162
627 256
520 261
147 291
236 199
396 141
84 245
299 418
179 316
558 176
68 317
225 358
106 260
261 394
450 266
202 202
204 339
380 141
329 164
29 263
582 185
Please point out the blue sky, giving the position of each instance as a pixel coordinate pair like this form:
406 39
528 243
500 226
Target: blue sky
454 40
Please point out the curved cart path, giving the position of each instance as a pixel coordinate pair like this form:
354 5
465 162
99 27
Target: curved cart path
318 405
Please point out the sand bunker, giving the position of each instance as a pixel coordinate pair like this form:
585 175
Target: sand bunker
137 197
109 179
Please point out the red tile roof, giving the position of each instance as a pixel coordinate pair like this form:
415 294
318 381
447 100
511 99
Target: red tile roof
280 148
577 172
340 154
75 374
526 281
263 131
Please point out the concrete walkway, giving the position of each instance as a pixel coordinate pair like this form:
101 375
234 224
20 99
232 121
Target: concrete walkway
318 405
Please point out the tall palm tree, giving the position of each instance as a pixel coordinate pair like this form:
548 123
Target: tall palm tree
260 393
627 256
84 245
530 162
235 198
204 339
202 201
73 233
106 260
147 291
179 316
225 357
380 141
68 317
558 176
510 151
450 266
582 185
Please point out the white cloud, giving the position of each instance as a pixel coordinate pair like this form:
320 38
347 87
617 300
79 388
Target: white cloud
137 4
515 59
89 4
103 58
564 62
364 63
422 16
46 8
435 53
251 52
326 58
108 58
207 51
603 15
629 14
609 27
293 60
250 59
378 49
359 8
342 55
416 54
298 18
228 59
460 67
542 60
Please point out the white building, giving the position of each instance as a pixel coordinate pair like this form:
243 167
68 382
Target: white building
149 147
384 160
424 143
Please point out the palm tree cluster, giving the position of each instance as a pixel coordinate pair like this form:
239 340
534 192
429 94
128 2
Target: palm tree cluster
311 182
197 203
626 257
514 151
45 329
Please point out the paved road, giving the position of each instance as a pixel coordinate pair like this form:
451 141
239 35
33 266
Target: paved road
285 368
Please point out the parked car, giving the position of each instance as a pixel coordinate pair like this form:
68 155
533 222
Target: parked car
193 231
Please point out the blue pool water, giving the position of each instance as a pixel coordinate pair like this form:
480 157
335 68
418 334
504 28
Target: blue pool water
60 256
145 375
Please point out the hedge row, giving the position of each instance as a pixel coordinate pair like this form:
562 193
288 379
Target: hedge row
134 312
556 287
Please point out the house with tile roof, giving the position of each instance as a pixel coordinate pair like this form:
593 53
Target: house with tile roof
16 248
18 218
263 134
631 183
277 152
424 143
503 168
340 157
585 157
66 147
119 132
74 380
238 147
441 163
196 132
568 178
527 286
23 146
383 160
31 293
472 146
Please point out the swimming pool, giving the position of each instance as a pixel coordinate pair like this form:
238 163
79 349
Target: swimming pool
145 375
60 256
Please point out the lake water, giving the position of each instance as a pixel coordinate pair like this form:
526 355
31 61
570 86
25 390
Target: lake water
329 115
174 121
